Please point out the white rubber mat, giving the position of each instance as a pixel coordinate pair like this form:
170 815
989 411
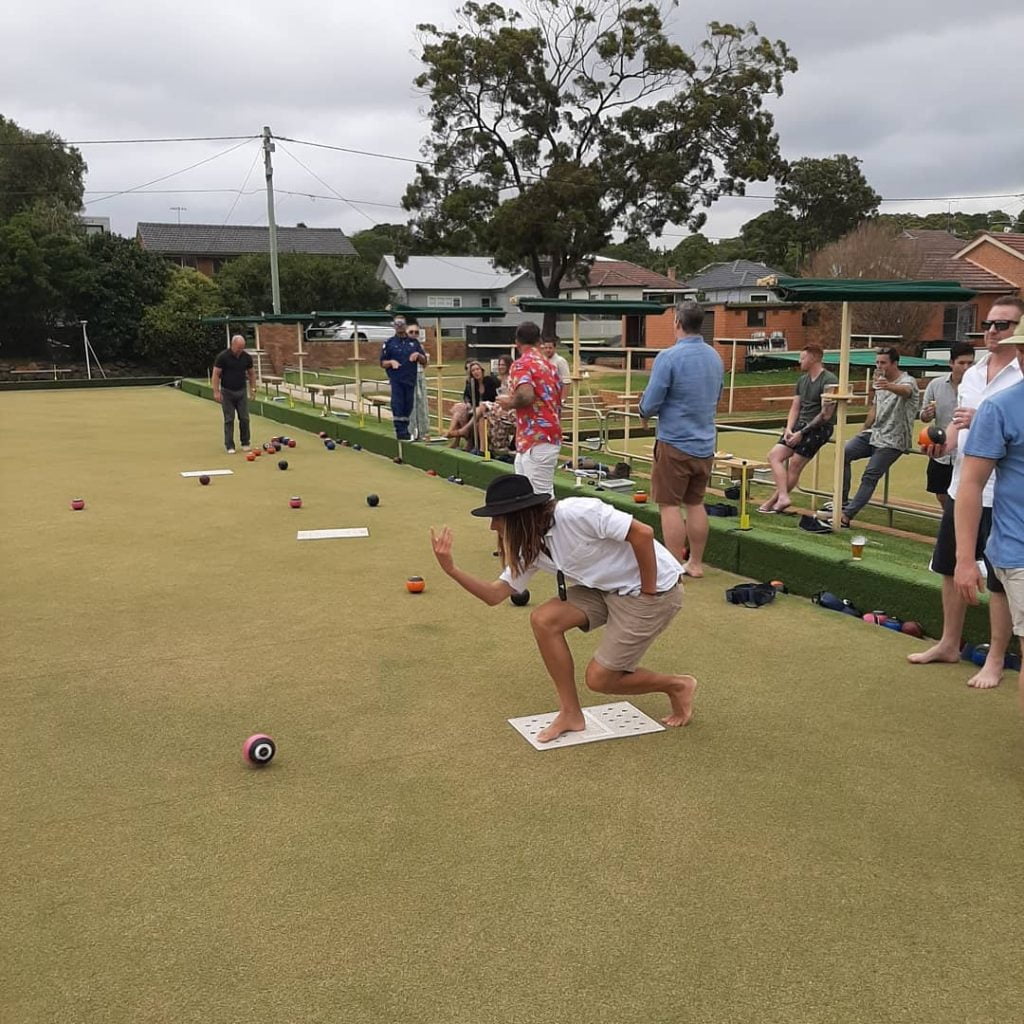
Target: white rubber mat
209 472
604 722
358 531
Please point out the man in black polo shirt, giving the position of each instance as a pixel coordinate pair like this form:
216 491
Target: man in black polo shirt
231 369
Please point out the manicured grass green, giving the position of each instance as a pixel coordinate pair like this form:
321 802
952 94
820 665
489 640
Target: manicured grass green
812 848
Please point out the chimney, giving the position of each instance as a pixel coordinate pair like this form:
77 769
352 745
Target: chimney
671 273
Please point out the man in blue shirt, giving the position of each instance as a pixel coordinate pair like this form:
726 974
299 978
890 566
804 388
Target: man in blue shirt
399 356
996 442
683 392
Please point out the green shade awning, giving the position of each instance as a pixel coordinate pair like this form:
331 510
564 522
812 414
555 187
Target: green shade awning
445 312
798 289
861 357
593 307
260 318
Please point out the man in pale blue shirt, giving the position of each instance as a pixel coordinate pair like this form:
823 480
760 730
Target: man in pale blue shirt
996 442
683 392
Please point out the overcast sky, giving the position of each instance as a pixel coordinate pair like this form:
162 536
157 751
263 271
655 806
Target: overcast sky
926 92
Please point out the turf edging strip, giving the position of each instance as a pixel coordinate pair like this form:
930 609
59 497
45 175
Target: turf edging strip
803 562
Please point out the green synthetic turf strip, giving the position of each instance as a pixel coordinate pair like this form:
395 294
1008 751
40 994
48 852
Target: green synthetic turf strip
836 837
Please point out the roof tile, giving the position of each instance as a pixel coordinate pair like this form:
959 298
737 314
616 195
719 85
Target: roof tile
236 240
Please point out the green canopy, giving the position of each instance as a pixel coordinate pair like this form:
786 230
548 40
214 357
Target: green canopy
860 357
260 318
799 289
594 307
444 312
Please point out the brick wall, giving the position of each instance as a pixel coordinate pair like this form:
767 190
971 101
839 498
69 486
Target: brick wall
281 342
990 257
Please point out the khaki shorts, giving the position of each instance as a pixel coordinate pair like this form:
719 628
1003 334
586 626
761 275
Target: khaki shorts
633 622
1013 582
678 478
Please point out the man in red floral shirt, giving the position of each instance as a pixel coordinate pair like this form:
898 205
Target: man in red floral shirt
536 396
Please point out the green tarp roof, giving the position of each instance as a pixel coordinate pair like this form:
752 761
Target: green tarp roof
593 307
358 316
445 312
799 289
862 357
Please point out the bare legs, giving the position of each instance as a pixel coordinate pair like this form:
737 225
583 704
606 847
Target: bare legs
947 648
550 622
687 539
786 468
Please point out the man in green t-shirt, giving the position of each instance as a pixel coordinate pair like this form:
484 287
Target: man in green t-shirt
808 427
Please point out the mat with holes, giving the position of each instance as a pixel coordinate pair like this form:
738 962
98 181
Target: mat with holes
604 722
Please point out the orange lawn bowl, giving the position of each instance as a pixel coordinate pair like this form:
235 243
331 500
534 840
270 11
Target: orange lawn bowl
250 456
415 584
640 497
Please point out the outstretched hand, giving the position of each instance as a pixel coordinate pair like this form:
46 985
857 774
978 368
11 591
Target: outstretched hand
442 545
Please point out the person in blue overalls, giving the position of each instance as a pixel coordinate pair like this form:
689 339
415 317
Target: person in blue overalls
399 356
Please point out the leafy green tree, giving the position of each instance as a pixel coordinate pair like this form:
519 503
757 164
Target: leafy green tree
308 284
956 222
121 281
43 268
384 240
553 127
691 254
638 251
172 339
37 167
772 238
826 198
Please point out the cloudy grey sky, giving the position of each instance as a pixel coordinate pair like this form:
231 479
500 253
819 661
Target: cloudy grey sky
926 92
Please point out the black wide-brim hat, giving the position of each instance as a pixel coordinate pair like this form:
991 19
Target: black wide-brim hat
511 493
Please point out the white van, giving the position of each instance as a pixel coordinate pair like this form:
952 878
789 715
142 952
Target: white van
347 330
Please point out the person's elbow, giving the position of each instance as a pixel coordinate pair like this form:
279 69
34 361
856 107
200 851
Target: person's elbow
500 591
640 533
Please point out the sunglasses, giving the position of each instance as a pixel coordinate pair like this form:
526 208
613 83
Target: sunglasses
413 334
999 325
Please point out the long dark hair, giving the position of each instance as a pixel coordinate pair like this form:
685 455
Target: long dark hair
522 538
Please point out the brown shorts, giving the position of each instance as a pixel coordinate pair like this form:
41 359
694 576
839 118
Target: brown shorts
633 622
678 478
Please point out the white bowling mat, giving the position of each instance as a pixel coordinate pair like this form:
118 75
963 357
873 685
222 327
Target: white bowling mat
604 722
359 531
209 472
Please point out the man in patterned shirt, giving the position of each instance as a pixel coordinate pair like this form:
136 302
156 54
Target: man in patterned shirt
536 396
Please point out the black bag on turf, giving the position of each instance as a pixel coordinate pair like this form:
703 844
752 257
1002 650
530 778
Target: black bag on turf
751 595
833 603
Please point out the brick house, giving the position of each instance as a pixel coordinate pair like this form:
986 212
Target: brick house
205 247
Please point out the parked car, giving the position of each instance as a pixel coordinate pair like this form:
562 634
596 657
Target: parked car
347 331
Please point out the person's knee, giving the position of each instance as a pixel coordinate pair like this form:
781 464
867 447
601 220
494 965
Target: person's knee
600 679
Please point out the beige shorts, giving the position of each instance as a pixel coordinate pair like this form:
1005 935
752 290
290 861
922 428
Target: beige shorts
633 623
1013 582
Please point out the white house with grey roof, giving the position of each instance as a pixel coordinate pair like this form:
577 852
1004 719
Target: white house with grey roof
457 282
735 281
205 247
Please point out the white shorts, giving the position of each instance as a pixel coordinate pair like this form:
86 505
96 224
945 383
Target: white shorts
1013 583
538 464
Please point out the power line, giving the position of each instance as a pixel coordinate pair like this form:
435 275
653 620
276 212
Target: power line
127 142
354 152
329 188
173 174
245 182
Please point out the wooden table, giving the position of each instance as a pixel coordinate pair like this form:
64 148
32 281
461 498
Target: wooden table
277 382
378 402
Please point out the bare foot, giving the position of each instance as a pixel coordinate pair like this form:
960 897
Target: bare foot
989 676
694 571
564 722
681 699
934 653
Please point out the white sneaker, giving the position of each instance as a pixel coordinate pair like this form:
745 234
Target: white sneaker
827 507
231 451
245 447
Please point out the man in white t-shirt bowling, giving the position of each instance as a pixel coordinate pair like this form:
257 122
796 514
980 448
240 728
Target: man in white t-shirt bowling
611 572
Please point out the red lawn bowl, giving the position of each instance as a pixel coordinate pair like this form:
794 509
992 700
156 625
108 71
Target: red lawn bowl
250 456
291 442
78 504
295 502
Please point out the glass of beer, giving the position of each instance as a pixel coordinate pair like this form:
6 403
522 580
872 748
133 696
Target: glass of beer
857 547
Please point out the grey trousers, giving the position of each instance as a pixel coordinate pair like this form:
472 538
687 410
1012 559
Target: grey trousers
232 402
879 460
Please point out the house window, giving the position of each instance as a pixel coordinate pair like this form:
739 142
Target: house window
758 298
485 302
757 317
957 322
611 296
810 317
444 301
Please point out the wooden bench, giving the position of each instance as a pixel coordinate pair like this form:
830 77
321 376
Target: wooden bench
276 382
55 372
377 402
